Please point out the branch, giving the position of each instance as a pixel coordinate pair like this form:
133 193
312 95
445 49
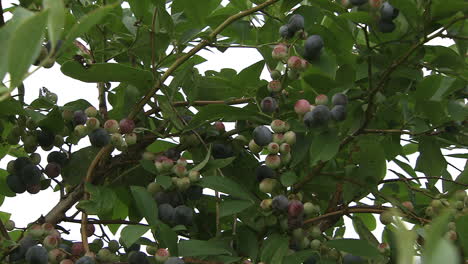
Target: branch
104 222
152 36
421 178
430 132
58 212
139 106
202 103
355 209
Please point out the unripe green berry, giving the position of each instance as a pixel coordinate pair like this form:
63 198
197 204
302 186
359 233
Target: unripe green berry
273 161
266 204
278 138
315 244
113 246
285 148
429 211
179 170
9 225
35 158
80 130
275 74
131 139
151 250
92 123
315 232
117 140
67 115
91 111
254 147
285 158
58 141
279 126
148 156
112 126
386 217
194 176
182 183
154 188
290 137
460 195
268 185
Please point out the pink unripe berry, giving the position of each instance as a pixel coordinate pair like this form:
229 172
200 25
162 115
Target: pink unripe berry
280 52
112 126
182 161
408 205
220 127
297 63
302 106
321 99
56 255
182 183
285 148
126 126
382 247
279 126
273 148
92 123
77 249
51 242
295 208
274 86
278 138
162 255
273 161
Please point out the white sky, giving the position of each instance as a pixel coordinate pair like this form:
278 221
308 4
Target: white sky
27 208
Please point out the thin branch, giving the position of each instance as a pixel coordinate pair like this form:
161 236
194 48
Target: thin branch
84 235
356 209
369 58
202 103
212 37
422 178
102 100
104 222
152 36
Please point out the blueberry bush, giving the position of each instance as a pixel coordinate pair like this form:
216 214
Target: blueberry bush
238 167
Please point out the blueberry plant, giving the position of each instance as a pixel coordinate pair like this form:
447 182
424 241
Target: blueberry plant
225 166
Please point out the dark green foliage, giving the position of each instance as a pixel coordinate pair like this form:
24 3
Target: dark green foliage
222 151
174 260
386 26
99 138
358 2
262 136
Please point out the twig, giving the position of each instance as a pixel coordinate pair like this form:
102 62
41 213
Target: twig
421 178
139 106
102 100
369 58
152 36
104 222
84 235
202 103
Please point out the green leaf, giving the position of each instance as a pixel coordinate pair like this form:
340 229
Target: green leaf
430 161
145 204
406 167
233 207
288 178
160 146
274 248
363 224
75 171
357 247
101 200
300 149
228 186
56 19
324 147
227 113
358 17
462 228
107 72
167 237
53 121
194 248
247 242
11 107
218 163
202 164
86 22
131 233
24 47
4 190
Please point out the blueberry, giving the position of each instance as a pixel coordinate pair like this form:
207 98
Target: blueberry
30 175
15 184
264 172
312 47
221 151
338 113
340 99
286 32
99 138
319 116
45 138
85 260
358 2
137 258
280 203
386 26
183 215
262 136
166 213
37 255
388 12
296 23
57 157
268 105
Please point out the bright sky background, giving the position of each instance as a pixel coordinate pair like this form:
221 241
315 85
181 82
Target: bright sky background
27 208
